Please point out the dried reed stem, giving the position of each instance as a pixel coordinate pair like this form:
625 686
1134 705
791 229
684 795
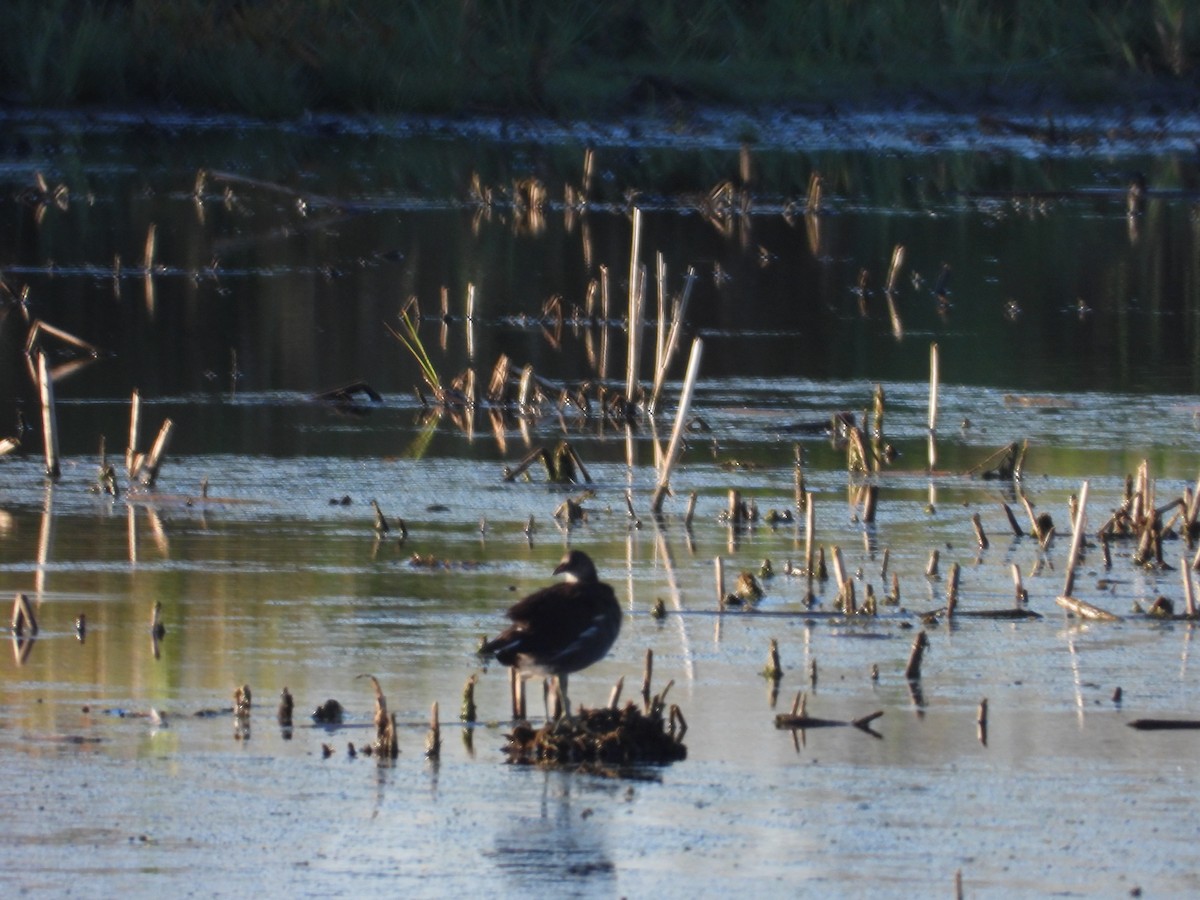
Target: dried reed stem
1076 540
952 591
614 698
980 537
691 510
931 568
1022 597
135 433
933 402
149 469
913 670
49 416
681 414
647 675
677 316
1189 591
635 311
719 567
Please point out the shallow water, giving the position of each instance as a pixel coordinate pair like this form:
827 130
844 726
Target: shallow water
267 582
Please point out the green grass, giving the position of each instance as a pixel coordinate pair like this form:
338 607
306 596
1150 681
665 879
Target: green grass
576 57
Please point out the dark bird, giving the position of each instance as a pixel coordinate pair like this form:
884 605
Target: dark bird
562 628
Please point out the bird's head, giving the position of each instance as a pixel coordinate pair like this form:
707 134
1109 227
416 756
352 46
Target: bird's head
577 566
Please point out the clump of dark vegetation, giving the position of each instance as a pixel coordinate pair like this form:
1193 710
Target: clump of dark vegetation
606 736
280 58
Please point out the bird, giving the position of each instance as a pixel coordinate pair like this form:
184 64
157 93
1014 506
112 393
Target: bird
562 628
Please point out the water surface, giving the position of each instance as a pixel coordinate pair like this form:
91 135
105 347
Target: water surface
256 301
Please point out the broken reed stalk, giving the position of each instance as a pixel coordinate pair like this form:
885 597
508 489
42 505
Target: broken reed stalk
952 591
635 311
774 669
467 711
889 292
1085 610
980 537
647 675
433 742
933 400
660 334
1033 523
719 565
809 526
870 502
681 414
589 159
913 670
23 618
1189 592
800 704
1022 596
1012 520
604 313
149 469
1193 508
691 511
470 321
614 698
135 432
49 416
1076 540
677 317
839 576
39 327
148 255
931 567
798 477
894 267
287 704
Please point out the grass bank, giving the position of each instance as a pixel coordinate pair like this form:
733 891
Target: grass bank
583 58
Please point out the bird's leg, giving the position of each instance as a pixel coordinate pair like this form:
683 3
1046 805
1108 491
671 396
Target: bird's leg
562 706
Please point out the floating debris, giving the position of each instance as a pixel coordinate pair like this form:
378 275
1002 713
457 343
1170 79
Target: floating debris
1003 465
328 713
747 591
1165 724
563 465
347 396
799 720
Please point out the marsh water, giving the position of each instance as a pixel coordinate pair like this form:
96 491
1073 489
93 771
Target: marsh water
1063 322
